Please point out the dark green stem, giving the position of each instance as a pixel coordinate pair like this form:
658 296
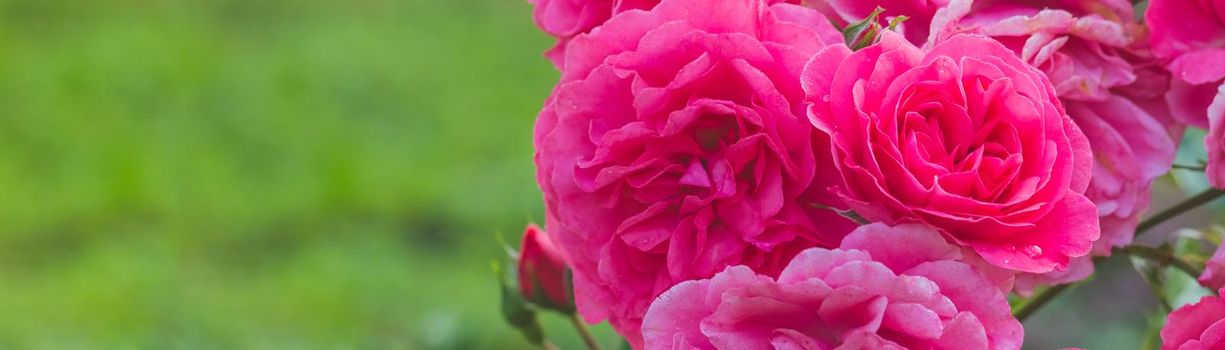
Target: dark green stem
1032 305
583 332
1187 205
1189 167
1162 257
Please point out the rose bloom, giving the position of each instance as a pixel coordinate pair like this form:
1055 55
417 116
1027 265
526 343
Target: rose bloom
675 145
1214 271
1215 141
1198 326
1093 55
565 19
1190 35
886 287
965 137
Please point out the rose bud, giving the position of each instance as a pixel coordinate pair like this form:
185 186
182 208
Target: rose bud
542 272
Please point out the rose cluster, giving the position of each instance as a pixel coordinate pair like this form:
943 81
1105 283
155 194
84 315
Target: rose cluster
851 174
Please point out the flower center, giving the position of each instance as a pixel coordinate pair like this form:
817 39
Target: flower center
954 142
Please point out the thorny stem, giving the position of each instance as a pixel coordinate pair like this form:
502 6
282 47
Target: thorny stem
1046 295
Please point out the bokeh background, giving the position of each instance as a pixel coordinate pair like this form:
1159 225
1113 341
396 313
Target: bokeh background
299 174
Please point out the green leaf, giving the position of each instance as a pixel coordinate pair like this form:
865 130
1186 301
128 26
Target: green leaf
1191 245
893 23
1213 234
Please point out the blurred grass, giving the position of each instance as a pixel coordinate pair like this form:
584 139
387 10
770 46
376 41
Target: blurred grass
263 174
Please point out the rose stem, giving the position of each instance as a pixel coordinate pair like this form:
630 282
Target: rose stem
592 344
1189 167
1030 306
1162 257
1191 203
1038 300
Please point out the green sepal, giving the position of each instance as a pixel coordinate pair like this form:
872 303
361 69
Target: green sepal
515 310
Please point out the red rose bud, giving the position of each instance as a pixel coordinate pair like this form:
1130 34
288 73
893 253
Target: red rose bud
542 271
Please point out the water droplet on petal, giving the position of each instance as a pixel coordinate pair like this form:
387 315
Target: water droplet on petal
825 98
1033 251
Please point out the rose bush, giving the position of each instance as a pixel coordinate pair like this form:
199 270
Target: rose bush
676 145
885 288
695 155
965 137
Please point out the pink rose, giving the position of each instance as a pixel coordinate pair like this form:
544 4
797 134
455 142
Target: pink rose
1083 54
886 288
542 271
965 137
1131 149
1214 271
1215 141
1090 51
1190 36
1198 326
923 18
675 145
565 19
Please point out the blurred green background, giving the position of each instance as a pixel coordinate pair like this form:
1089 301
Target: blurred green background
262 174
293 174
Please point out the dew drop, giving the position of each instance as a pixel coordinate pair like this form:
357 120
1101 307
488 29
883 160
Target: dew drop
1033 251
825 98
